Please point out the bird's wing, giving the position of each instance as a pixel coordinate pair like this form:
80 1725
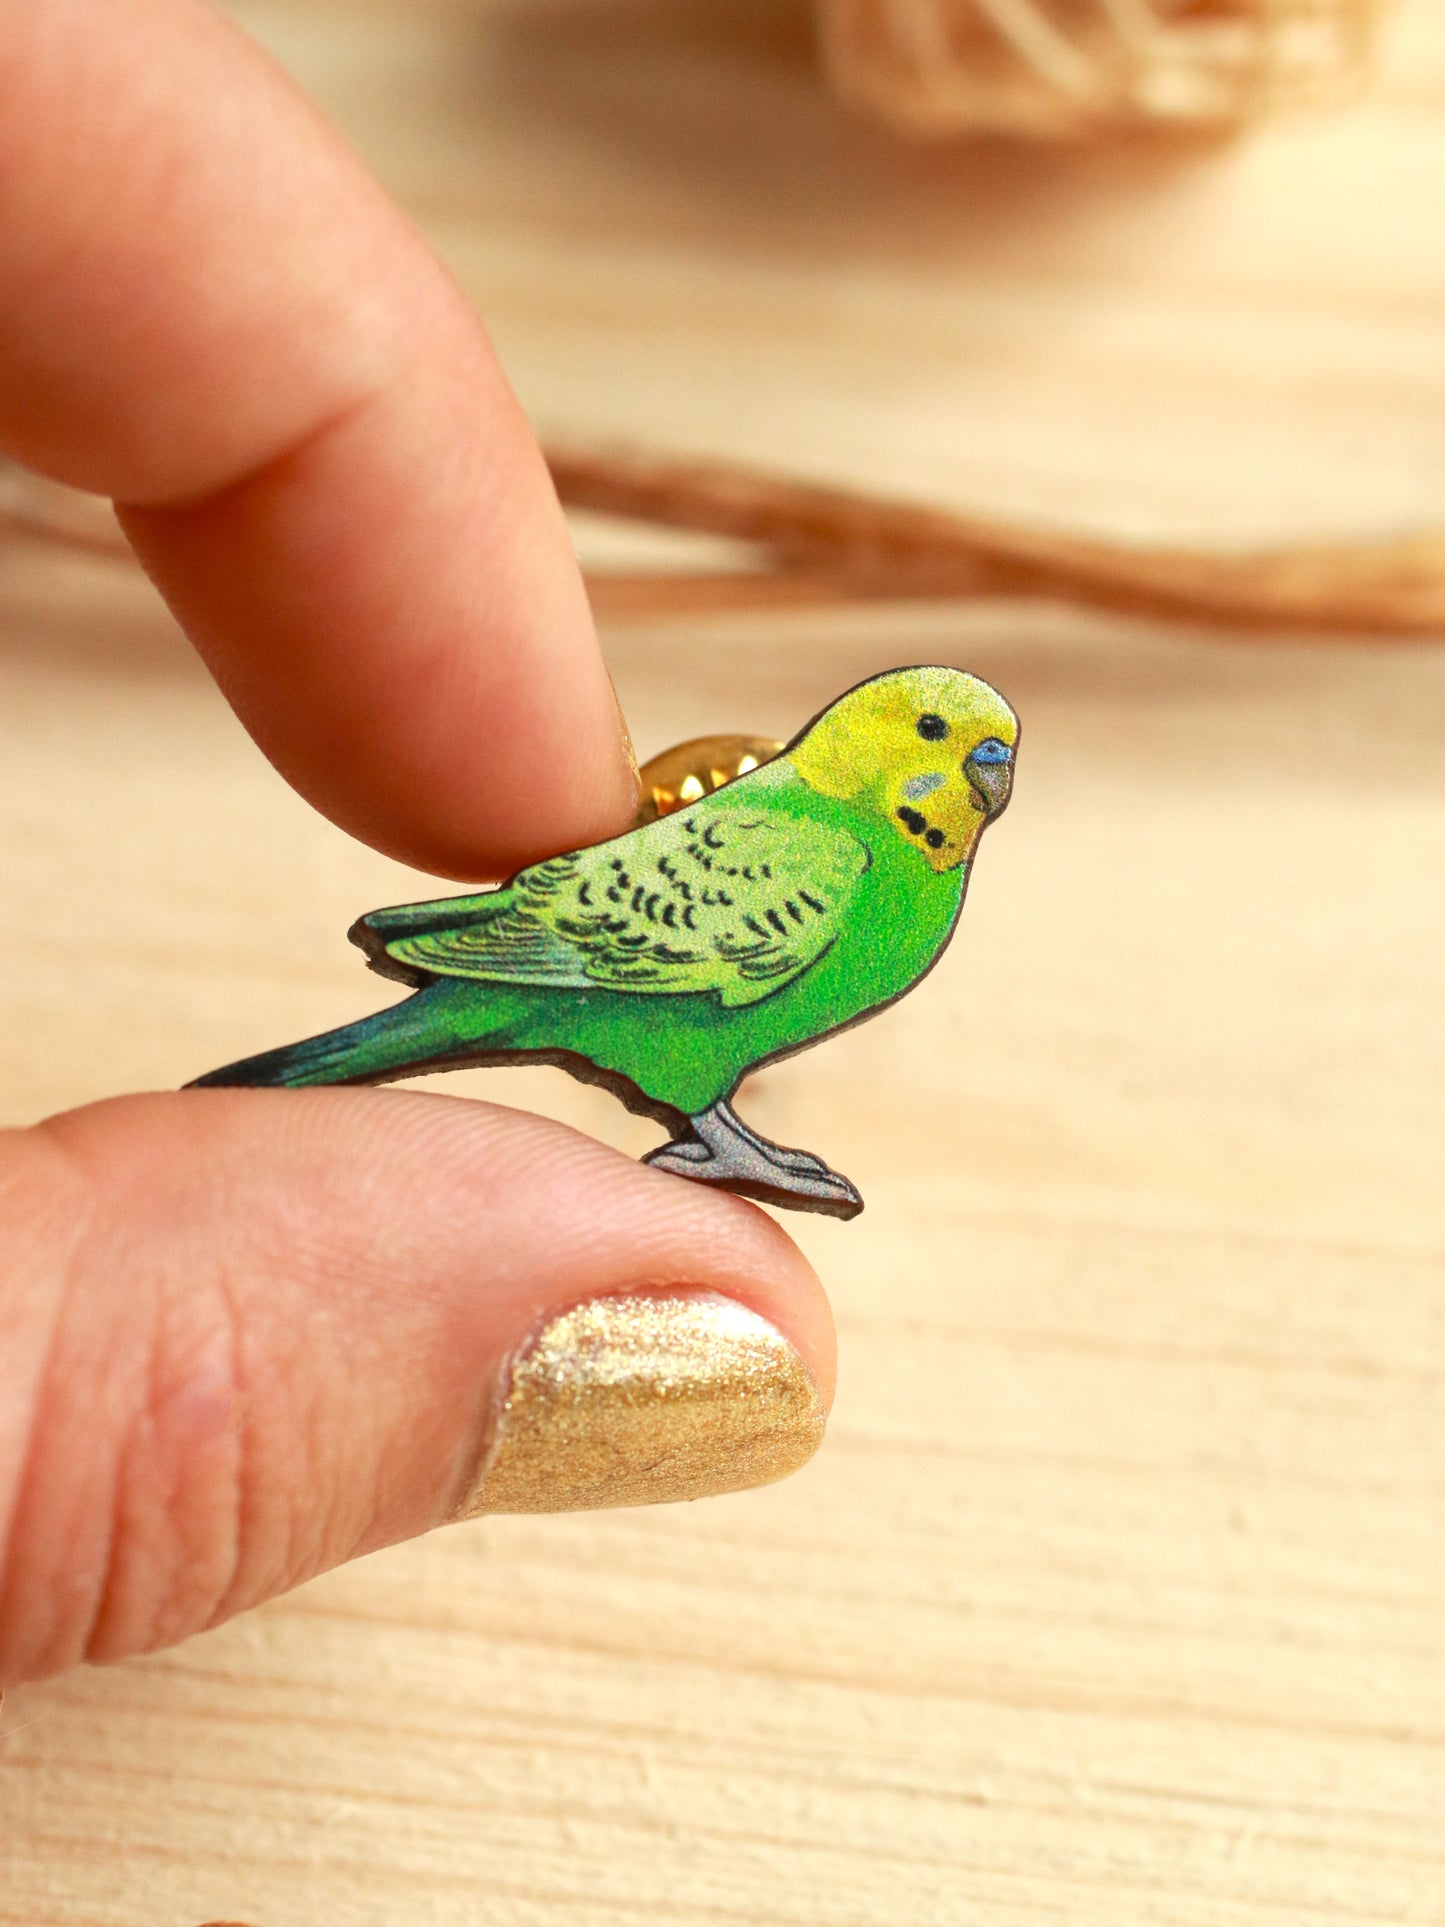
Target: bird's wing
733 897
456 936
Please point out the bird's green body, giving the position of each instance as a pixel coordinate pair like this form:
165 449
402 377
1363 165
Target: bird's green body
669 962
680 1052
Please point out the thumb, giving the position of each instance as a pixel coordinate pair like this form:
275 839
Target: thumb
245 1335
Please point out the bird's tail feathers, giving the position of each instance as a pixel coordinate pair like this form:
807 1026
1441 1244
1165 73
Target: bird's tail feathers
391 1043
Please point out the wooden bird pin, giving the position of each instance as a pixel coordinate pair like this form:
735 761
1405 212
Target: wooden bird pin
668 963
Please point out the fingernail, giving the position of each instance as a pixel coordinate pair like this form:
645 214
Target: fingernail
640 1401
627 747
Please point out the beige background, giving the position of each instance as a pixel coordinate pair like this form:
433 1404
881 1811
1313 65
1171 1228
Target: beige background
1117 1593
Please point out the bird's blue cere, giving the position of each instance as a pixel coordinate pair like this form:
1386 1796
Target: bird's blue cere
991 750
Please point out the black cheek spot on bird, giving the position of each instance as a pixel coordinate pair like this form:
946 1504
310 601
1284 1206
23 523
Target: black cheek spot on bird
914 821
932 728
935 839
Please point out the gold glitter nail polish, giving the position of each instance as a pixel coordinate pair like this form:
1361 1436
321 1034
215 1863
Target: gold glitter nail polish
639 1401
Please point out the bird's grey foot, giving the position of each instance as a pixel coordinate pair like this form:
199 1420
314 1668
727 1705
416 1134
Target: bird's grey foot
779 1153
723 1150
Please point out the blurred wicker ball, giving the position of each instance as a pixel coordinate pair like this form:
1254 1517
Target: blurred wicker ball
1059 69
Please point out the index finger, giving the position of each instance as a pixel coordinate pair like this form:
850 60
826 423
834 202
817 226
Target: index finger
210 312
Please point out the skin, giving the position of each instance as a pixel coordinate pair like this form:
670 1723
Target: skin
209 312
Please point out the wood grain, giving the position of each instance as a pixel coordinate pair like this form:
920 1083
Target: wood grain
1116 1596
681 242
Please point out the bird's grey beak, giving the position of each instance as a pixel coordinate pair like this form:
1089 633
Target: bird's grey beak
992 783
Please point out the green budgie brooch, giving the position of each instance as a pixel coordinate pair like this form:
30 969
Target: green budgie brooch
667 964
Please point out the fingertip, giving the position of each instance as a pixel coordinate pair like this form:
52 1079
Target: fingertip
288 1327
211 313
395 612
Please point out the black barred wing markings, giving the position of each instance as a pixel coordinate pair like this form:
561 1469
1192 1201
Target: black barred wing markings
719 901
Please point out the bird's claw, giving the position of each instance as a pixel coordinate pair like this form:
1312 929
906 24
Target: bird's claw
686 1150
803 1161
726 1152
828 1193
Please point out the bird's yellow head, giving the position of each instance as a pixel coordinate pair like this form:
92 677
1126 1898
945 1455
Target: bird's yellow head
932 750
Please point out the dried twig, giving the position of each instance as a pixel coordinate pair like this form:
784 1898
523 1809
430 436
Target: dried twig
31 505
818 546
832 545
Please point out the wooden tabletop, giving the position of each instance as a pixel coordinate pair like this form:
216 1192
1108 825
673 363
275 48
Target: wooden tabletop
1116 1595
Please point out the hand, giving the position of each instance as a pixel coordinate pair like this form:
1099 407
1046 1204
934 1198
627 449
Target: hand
246 1335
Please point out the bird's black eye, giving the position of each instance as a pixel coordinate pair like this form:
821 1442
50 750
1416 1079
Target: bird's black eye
932 728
